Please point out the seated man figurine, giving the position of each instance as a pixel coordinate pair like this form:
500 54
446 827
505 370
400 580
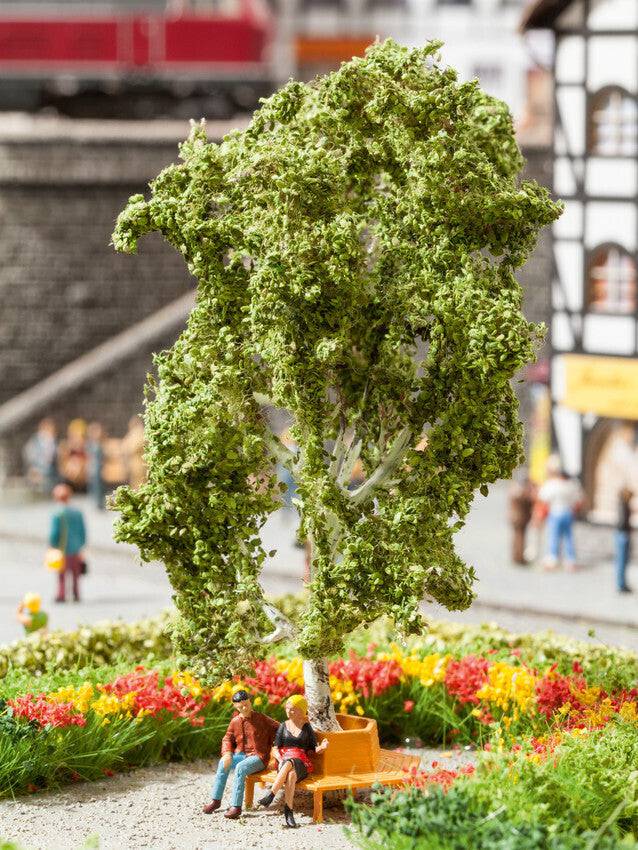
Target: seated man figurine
246 747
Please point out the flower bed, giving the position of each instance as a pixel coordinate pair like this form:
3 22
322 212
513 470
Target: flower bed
85 723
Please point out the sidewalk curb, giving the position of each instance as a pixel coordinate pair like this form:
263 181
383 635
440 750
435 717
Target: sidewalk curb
569 616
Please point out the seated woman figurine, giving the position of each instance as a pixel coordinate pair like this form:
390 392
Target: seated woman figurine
295 742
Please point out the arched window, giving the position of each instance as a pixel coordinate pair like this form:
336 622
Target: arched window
613 123
612 280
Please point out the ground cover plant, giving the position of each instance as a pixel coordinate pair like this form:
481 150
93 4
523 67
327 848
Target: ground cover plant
355 250
573 789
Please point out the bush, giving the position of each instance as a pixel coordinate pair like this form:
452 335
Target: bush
589 779
96 645
457 820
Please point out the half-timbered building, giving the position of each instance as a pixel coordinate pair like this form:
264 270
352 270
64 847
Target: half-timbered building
594 327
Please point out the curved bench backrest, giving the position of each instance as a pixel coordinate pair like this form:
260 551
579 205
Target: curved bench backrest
353 750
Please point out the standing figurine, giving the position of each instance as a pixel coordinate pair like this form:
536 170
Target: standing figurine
623 539
246 747
521 503
31 615
68 533
563 496
295 742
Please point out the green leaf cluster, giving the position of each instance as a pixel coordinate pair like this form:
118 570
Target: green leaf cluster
355 250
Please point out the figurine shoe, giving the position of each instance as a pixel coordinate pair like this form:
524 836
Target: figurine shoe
211 807
233 813
289 818
267 799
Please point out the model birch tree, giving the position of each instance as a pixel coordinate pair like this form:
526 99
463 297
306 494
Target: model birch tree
355 250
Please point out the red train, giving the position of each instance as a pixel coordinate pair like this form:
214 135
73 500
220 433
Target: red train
138 64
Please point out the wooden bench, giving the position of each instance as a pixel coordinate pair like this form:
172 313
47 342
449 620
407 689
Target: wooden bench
353 759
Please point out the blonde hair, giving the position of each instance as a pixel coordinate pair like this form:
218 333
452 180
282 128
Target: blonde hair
32 602
298 701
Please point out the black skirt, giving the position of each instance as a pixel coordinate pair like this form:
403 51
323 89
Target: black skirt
300 768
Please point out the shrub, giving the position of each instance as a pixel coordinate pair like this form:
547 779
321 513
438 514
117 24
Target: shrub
587 778
98 644
457 820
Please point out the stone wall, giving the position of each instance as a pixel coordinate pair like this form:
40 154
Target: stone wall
63 288
536 275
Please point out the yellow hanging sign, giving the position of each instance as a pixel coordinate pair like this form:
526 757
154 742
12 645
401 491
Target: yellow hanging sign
606 386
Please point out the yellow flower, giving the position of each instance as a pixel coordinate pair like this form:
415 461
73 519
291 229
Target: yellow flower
509 685
428 670
80 697
292 668
187 682
629 712
110 704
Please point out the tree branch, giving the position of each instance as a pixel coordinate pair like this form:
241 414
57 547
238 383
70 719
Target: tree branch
385 469
284 629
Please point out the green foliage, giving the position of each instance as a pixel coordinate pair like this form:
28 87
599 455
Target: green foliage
355 250
457 820
592 781
95 645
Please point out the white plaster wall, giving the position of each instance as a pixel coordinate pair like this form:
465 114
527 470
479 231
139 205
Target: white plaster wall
570 224
562 336
569 438
564 177
570 59
609 334
569 262
557 378
571 103
613 60
613 177
607 221
613 15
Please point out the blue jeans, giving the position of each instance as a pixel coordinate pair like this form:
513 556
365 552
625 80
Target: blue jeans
622 557
560 528
243 765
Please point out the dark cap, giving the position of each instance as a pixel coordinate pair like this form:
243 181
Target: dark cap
240 696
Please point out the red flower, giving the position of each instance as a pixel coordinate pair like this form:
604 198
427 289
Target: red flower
270 682
576 667
408 705
36 708
367 675
465 677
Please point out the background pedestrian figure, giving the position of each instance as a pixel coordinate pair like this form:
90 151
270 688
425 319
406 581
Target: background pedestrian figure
563 497
31 615
68 533
72 456
623 539
40 455
522 497
133 453
95 463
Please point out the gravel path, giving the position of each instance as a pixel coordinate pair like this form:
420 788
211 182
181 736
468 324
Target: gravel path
159 808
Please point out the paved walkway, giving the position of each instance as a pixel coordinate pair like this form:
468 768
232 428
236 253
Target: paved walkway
521 598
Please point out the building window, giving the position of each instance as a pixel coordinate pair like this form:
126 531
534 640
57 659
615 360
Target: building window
613 123
454 2
612 281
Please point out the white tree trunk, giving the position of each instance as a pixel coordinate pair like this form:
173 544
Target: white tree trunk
321 712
